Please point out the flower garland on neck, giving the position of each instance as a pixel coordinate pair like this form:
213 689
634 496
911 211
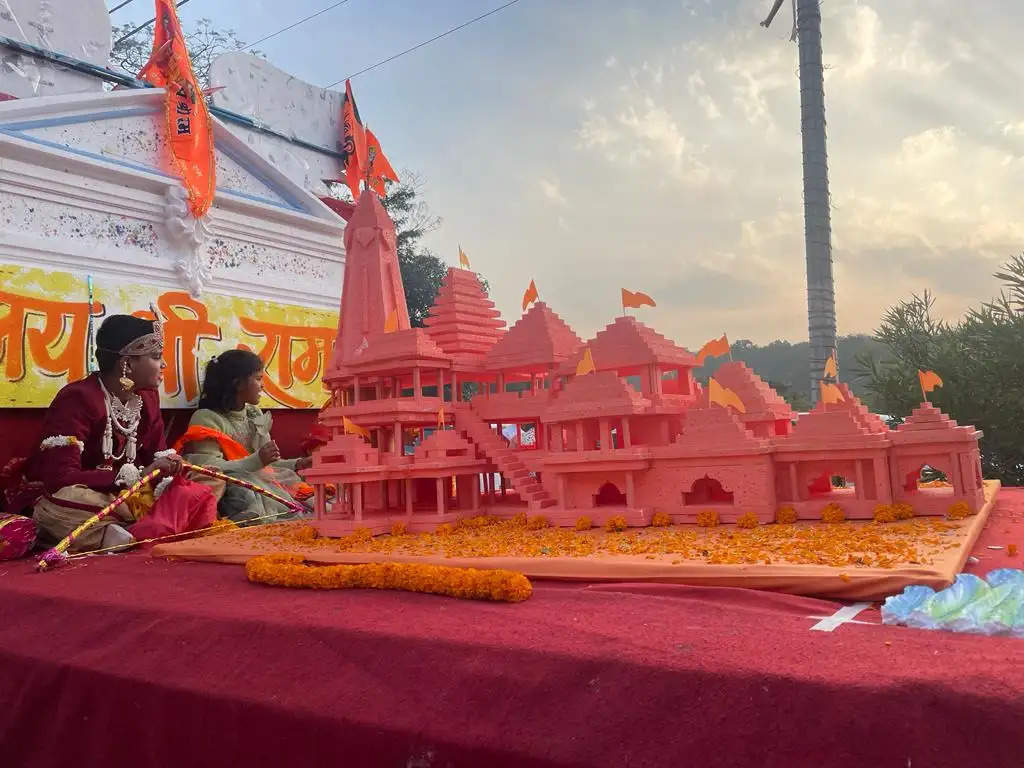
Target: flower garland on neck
290 570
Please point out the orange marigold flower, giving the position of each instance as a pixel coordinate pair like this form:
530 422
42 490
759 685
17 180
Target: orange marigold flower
519 518
786 516
832 513
959 511
903 511
884 514
661 519
748 520
444 529
399 528
290 570
617 523
707 518
537 522
220 525
584 523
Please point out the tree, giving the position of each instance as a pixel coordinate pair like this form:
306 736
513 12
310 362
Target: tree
979 360
204 42
821 299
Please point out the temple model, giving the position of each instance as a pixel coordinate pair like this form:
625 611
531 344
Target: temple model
636 436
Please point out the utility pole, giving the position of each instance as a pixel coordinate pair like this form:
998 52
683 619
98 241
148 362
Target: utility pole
821 298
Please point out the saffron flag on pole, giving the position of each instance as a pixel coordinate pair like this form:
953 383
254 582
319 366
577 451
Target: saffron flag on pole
353 140
724 397
463 258
391 324
379 169
714 348
530 296
636 299
189 128
830 393
351 428
586 363
929 381
831 366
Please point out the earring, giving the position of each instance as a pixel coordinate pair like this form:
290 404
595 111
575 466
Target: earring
126 380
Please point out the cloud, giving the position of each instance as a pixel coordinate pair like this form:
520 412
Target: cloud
611 62
698 90
552 193
862 29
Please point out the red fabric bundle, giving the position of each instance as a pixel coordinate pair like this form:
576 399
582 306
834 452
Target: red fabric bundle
183 506
17 535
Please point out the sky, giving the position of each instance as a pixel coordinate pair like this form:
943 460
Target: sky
593 145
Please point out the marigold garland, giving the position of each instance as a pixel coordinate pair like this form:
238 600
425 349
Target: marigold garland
661 519
399 528
707 518
903 511
959 511
615 524
584 523
291 570
219 526
537 522
833 513
786 516
883 513
747 520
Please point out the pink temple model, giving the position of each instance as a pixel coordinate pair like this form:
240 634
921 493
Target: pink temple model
635 437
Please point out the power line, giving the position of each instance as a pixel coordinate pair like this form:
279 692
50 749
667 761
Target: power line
425 42
122 5
142 26
290 26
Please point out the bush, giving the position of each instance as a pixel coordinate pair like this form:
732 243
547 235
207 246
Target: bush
748 520
584 523
832 513
661 519
617 523
707 519
786 516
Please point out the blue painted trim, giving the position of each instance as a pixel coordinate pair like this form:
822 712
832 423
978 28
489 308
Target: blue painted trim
288 206
49 122
290 200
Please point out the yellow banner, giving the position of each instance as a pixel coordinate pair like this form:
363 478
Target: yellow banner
44 332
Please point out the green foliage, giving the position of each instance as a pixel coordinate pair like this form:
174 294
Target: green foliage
785 366
979 360
204 41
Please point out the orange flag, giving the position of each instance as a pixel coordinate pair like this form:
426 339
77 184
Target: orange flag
929 381
530 296
391 324
351 428
463 258
380 169
189 129
724 397
636 299
831 366
586 363
714 348
830 393
353 140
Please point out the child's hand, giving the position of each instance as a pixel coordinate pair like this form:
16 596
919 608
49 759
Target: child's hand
270 453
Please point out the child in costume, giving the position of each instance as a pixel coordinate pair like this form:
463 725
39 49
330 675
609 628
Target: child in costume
100 435
230 433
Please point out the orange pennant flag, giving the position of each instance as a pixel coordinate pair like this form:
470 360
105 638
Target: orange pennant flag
586 363
353 142
391 324
440 417
636 299
830 393
530 296
724 397
351 428
189 128
714 348
463 258
929 381
831 366
379 170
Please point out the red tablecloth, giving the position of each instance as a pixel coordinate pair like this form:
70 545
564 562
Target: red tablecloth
133 661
